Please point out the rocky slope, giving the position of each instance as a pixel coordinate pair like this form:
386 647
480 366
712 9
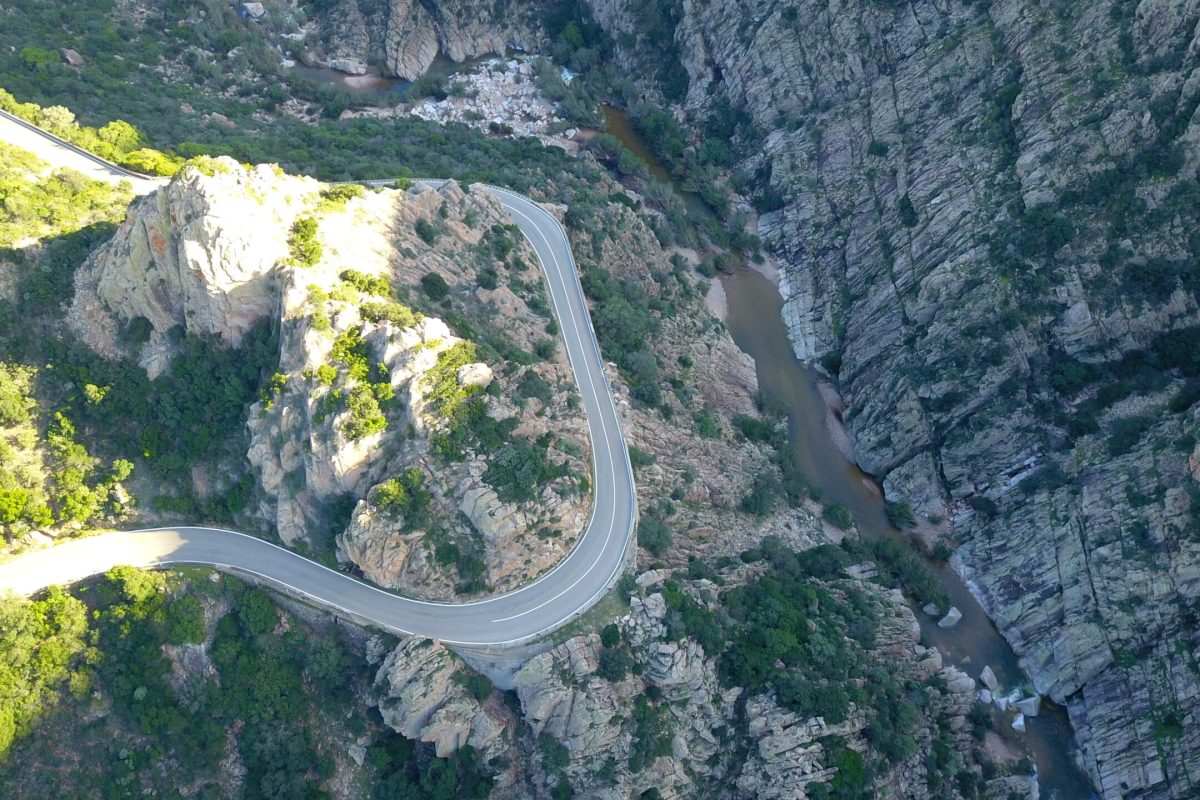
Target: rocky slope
581 724
348 423
985 214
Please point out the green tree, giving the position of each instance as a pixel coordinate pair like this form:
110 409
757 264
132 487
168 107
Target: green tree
257 613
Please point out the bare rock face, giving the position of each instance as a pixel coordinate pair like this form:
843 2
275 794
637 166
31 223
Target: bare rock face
202 253
407 35
563 695
461 30
965 222
419 697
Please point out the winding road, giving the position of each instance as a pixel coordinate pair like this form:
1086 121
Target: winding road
520 616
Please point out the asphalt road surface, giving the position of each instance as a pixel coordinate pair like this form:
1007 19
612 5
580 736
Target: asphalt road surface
59 153
549 602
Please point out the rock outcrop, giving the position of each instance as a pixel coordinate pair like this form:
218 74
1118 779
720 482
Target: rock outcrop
564 695
420 693
201 254
214 253
984 215
405 36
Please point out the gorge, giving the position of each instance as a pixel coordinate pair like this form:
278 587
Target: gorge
982 215
982 218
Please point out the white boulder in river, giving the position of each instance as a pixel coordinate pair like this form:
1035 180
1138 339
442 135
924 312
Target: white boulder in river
1030 706
951 619
988 678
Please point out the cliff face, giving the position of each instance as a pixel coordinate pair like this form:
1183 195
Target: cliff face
200 254
985 216
403 37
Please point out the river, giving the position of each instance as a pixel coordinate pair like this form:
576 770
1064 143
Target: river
379 88
755 321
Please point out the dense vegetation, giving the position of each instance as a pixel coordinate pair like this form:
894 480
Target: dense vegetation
46 476
36 205
278 692
116 141
804 633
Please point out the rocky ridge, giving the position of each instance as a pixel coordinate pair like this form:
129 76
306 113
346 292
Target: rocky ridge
717 736
186 259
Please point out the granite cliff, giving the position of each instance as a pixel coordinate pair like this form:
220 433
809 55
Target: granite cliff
403 37
985 213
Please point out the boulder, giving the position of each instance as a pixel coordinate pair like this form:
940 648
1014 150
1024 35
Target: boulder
951 619
932 610
350 66
1030 706
252 11
988 678
70 57
474 375
1018 724
419 697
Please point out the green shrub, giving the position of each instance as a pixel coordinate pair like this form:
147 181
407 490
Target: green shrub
185 620
303 245
900 514
838 515
404 497
532 385
651 736
397 314
520 468
335 197
435 286
426 230
367 284
764 494
614 664
707 425
640 458
257 613
477 685
555 755
654 535
610 635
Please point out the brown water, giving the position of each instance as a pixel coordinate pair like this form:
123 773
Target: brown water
616 123
379 87
756 323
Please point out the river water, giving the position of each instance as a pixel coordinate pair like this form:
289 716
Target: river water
380 88
756 324
754 318
755 321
